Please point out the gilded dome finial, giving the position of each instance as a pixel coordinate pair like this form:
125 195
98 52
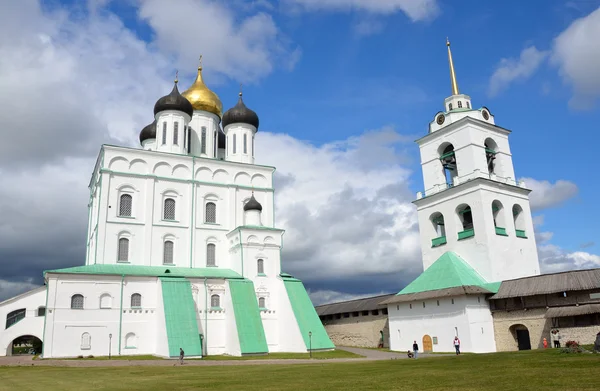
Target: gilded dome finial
452 72
176 76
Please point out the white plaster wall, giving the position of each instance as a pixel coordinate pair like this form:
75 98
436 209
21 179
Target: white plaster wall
30 325
443 321
290 338
495 257
232 340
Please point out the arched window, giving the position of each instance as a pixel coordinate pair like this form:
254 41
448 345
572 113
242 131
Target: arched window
125 203
466 220
164 133
15 316
252 146
499 220
491 148
449 106
203 140
519 218
437 220
211 212
169 209
468 105
262 303
86 341
136 300
123 255
130 341
260 266
234 143
448 159
105 301
460 104
215 301
41 311
245 143
168 252
210 254
77 302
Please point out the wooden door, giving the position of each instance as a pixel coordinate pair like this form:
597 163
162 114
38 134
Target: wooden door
427 343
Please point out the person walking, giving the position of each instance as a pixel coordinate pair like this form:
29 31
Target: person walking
415 348
380 339
181 355
457 345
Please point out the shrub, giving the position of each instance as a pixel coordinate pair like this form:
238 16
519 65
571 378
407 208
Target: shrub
90 356
79 356
572 344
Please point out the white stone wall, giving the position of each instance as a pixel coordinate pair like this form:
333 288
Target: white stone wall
362 331
464 318
32 324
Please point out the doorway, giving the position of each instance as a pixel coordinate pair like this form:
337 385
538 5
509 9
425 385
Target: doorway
521 335
25 345
427 343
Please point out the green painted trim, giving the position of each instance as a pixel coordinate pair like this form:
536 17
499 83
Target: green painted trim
45 316
520 233
501 231
123 263
216 309
435 242
130 347
262 309
468 233
112 172
149 271
241 252
261 275
126 217
121 313
259 227
192 223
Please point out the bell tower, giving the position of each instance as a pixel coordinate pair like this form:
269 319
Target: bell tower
472 203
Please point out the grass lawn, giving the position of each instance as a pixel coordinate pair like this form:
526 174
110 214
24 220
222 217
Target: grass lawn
539 370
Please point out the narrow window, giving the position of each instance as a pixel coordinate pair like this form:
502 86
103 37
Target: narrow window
189 137
410 306
215 144
234 144
164 133
176 134
438 303
466 217
491 149
260 266
245 143
105 301
41 311
211 212
423 304
123 250
86 341
168 252
125 205
452 301
448 160
210 254
519 219
459 104
468 105
215 301
252 146
449 106
397 308
203 140
77 302
262 304
130 341
169 209
185 137
15 316
136 300
478 299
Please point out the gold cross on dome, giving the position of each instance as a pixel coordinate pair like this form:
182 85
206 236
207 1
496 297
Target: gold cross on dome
201 60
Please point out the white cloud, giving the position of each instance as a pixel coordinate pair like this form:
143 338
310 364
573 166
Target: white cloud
555 259
547 195
512 69
577 54
10 289
327 296
416 10
241 48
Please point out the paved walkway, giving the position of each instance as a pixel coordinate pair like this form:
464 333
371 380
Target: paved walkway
369 355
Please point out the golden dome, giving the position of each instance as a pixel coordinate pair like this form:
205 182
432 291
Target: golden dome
202 98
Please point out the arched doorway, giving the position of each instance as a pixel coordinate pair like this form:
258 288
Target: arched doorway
25 345
427 343
521 335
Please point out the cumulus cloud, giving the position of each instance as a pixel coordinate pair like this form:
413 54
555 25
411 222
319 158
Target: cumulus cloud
555 259
416 10
10 289
514 69
545 194
576 53
326 296
243 48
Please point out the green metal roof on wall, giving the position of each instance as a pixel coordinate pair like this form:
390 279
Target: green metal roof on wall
149 271
450 270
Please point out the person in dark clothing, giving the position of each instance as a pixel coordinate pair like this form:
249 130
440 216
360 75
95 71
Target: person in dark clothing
415 348
181 355
597 343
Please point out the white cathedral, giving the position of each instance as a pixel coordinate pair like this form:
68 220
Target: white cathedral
476 231
182 250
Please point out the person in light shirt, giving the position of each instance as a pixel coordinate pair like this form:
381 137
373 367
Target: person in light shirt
457 345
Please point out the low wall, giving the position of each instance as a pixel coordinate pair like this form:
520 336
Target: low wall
358 333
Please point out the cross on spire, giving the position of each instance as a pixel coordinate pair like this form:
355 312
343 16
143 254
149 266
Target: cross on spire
240 94
200 60
176 76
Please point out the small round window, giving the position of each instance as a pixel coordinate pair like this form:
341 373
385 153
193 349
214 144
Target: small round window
486 115
440 119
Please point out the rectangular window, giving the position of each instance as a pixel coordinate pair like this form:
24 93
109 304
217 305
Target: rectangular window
245 143
215 144
164 133
234 143
210 255
375 312
176 134
203 140
365 313
185 137
252 146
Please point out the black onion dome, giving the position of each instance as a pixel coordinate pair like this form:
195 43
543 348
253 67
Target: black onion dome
240 113
174 101
252 204
149 132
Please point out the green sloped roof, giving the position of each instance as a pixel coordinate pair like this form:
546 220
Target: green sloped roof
150 271
448 271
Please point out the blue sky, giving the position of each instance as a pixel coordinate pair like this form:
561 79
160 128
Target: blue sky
347 83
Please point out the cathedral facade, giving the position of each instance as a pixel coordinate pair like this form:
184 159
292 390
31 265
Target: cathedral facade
182 250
